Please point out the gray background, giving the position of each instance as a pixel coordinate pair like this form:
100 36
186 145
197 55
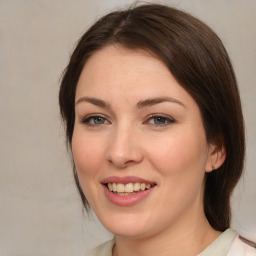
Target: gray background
40 209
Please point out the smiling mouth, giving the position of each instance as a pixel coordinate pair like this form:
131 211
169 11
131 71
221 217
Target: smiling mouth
129 188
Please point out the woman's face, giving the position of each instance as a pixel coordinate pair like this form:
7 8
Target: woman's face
139 133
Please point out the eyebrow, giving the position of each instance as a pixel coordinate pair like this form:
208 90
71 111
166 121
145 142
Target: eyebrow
94 101
141 104
154 101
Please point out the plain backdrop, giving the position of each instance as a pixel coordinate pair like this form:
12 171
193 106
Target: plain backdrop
41 213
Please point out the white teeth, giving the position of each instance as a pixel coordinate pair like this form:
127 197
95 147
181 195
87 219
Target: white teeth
142 186
120 188
110 187
128 188
136 186
148 186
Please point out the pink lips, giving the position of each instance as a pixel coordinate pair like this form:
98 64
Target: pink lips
125 180
128 200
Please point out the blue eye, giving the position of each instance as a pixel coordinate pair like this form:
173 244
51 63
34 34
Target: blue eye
160 120
94 120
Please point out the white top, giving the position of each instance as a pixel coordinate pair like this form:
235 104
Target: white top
229 243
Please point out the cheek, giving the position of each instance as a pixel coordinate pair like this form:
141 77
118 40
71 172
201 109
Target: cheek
180 160
180 154
88 154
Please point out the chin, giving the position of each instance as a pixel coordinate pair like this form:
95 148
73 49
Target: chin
129 231
127 225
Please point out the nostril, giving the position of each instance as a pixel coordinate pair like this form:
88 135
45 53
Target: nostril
123 150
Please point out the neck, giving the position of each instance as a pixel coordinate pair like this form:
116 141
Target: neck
186 240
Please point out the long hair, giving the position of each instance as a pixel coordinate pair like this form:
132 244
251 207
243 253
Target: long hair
198 60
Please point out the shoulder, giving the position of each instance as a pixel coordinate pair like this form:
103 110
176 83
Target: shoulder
104 249
242 246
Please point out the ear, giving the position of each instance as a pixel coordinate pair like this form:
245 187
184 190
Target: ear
216 157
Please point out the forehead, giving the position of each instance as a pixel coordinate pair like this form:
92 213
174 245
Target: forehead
117 73
113 60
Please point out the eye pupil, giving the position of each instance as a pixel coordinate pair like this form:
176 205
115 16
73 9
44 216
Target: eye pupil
160 120
98 120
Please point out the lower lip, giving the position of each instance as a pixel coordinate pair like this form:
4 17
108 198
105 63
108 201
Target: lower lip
127 200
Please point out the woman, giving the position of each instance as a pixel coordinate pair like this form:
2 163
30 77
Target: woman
154 122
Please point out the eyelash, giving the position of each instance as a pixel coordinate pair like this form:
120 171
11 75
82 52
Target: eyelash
167 120
86 120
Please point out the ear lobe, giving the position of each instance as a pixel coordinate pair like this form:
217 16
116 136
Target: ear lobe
217 156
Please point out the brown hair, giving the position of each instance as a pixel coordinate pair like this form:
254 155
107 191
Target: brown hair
198 60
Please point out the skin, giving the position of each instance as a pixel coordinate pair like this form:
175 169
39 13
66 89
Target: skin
171 151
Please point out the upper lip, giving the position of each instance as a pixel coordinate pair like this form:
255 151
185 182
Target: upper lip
125 180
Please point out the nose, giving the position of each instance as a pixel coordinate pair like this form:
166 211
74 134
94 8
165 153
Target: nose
124 148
